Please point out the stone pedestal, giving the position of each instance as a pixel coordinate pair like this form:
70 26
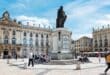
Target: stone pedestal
61 44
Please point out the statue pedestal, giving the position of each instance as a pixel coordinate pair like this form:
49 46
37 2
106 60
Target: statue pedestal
61 44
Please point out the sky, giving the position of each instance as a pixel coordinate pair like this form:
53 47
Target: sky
82 15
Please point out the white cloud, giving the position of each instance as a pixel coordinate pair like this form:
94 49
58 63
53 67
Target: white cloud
34 21
105 20
79 9
86 15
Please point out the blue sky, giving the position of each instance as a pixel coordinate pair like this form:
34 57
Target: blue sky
83 15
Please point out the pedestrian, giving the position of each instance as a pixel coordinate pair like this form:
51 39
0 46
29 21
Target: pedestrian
99 56
16 56
107 58
31 59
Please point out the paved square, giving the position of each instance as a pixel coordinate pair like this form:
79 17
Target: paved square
17 68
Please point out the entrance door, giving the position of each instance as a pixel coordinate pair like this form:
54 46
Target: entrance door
24 53
13 53
5 54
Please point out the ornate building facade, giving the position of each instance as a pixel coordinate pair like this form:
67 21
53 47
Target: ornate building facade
84 44
101 39
19 39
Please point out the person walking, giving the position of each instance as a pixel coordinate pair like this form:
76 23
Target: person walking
31 59
107 58
16 56
99 57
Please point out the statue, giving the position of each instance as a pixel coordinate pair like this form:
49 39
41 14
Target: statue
61 17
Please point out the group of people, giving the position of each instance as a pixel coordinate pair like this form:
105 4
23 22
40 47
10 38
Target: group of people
107 59
83 59
37 59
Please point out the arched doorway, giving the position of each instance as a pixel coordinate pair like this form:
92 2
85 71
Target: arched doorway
13 53
25 53
101 50
106 49
5 53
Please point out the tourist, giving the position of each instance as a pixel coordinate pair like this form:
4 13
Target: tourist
16 57
31 59
107 58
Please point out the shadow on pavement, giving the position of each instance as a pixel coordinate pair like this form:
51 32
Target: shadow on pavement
44 72
21 66
92 67
103 74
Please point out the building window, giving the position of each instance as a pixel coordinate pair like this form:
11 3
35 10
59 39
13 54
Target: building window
31 42
13 52
96 49
30 34
42 36
96 43
36 42
13 40
86 43
47 40
42 40
25 41
105 49
106 43
24 33
47 36
25 53
14 32
42 43
100 43
37 35
47 43
6 40
101 50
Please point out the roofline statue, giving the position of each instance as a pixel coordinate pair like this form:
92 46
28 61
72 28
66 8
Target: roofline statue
61 18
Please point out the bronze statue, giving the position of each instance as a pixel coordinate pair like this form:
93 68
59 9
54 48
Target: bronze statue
61 17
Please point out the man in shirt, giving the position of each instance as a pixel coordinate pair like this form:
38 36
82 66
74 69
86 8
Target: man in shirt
31 59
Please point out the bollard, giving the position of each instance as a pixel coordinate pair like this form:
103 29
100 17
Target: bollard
78 66
7 61
22 60
25 65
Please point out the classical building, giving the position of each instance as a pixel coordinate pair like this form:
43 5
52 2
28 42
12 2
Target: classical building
16 38
101 39
84 44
